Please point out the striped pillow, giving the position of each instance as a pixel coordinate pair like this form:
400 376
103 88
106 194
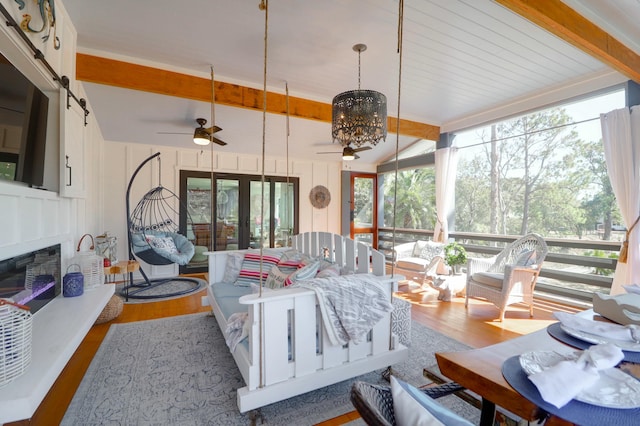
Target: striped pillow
306 272
250 270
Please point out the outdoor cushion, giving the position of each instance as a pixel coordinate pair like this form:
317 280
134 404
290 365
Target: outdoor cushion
412 407
491 279
413 263
418 247
526 258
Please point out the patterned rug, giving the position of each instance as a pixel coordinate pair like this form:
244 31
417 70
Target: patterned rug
178 371
165 290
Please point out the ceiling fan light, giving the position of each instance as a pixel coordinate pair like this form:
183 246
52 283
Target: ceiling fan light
348 157
201 137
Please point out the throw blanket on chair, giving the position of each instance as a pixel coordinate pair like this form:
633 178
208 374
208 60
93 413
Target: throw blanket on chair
350 305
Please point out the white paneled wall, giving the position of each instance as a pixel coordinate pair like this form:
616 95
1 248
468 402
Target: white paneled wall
121 160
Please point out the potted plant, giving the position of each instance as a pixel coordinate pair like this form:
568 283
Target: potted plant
455 255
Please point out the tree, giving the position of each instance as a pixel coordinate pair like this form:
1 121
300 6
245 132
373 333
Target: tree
523 157
415 199
591 170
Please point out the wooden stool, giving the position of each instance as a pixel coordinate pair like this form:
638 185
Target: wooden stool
123 267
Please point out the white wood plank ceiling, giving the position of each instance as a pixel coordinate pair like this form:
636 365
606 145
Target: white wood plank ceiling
464 61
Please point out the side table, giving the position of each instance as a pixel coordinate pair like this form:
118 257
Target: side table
123 267
450 285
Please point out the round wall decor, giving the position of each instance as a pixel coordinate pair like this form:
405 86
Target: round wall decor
320 197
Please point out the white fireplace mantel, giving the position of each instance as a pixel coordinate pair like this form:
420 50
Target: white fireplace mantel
58 329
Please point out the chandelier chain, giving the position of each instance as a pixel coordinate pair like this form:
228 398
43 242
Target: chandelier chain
359 53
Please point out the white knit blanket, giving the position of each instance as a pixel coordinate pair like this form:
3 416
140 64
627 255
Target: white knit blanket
350 305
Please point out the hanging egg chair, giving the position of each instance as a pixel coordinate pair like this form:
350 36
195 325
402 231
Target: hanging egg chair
153 237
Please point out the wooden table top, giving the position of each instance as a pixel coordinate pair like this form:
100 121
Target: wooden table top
480 370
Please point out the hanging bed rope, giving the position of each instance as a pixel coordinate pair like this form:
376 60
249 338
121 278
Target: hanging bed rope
153 237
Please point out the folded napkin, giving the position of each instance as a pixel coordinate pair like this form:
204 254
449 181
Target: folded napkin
562 382
599 328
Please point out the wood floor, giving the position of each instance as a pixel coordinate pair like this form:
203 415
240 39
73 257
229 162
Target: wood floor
475 327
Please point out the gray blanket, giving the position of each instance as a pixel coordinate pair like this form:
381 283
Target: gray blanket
350 304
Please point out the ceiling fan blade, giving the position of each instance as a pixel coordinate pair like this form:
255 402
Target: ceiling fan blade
218 141
364 148
355 156
213 129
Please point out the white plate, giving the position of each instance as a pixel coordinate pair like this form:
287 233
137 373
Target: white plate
625 345
614 389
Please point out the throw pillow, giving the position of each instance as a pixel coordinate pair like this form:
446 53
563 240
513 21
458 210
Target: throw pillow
277 278
417 248
431 250
412 407
330 271
305 273
290 261
164 244
232 267
526 258
250 271
291 255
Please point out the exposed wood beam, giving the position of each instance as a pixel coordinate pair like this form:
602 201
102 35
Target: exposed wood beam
559 19
101 70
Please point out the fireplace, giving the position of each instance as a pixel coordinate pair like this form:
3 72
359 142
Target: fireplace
32 279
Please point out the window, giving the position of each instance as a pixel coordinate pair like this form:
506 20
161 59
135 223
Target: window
542 172
415 200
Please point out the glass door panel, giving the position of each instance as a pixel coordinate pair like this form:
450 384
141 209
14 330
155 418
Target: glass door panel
198 224
364 211
259 226
227 214
284 217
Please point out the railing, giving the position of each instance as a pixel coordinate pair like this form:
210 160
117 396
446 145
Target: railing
567 270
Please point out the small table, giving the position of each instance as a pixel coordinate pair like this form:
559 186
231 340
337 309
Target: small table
449 285
123 267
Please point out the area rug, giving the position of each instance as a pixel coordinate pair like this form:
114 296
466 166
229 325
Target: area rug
178 371
166 291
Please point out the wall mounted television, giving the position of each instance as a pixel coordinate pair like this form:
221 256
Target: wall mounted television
24 110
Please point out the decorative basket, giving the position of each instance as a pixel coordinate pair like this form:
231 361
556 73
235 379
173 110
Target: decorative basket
91 265
15 340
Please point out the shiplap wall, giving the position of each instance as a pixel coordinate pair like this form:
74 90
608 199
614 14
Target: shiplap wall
121 159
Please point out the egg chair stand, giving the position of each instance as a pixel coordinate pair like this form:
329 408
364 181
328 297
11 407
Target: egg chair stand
153 237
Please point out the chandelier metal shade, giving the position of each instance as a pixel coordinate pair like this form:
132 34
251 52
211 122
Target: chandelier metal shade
359 116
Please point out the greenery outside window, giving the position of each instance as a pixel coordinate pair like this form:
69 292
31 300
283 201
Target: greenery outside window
543 172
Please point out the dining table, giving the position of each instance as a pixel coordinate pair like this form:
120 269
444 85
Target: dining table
481 371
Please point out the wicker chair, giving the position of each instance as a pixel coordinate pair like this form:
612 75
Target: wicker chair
509 277
375 403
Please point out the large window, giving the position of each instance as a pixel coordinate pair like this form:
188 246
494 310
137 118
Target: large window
543 172
415 200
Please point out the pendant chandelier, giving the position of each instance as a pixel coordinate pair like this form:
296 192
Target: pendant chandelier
359 116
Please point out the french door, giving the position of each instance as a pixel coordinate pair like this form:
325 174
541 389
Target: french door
364 211
236 216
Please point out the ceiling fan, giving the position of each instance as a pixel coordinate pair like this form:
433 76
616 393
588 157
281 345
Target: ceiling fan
202 135
348 153
205 135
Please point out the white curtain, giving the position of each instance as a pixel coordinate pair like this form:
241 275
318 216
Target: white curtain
446 165
621 137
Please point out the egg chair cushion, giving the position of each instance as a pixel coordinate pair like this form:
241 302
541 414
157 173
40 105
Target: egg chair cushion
173 247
